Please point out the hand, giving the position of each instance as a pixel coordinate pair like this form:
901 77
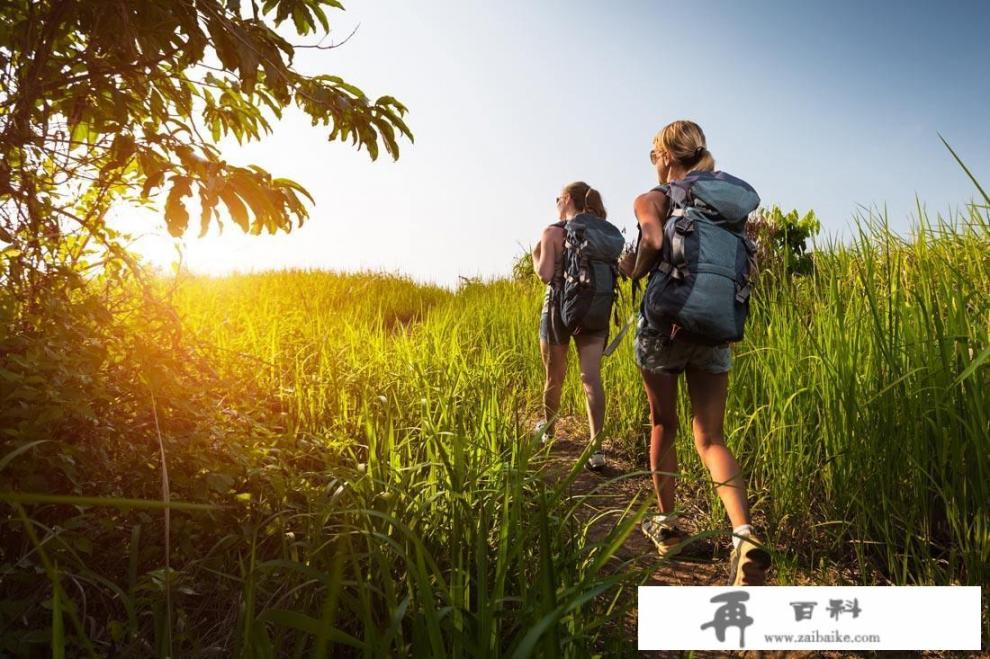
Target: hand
627 260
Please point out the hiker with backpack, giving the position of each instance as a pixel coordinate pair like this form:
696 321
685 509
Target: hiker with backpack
577 258
694 249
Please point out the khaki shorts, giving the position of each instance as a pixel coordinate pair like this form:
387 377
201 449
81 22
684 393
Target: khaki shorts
656 353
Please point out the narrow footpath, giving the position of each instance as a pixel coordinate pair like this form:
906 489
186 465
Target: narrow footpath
703 563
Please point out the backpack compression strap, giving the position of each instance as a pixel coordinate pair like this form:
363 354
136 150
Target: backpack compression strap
679 196
574 244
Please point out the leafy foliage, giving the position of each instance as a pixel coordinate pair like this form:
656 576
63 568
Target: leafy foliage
782 239
370 480
123 100
522 267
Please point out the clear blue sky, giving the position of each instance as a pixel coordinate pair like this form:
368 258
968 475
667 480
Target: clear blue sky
819 105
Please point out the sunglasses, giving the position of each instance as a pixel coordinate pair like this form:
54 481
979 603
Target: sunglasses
654 156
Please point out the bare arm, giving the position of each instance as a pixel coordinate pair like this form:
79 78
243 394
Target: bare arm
650 209
545 252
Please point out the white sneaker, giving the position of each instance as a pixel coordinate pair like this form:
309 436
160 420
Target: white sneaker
597 461
541 430
666 535
749 562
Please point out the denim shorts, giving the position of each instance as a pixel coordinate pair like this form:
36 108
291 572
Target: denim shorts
552 327
657 353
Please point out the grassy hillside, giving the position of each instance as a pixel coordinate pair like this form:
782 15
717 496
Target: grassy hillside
364 442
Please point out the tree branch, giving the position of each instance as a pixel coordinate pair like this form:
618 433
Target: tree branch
320 45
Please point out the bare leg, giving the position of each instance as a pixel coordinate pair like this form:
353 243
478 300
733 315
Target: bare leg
555 363
590 358
661 391
708 393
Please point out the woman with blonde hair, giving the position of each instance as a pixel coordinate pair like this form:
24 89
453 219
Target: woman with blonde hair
581 247
669 213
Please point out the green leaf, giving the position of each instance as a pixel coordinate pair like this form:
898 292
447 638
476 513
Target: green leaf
965 169
235 206
58 627
308 625
17 451
152 181
289 183
973 365
176 215
113 502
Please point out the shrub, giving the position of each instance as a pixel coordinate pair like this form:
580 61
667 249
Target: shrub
782 239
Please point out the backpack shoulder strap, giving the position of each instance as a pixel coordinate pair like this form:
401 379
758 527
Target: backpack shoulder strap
679 194
663 188
679 197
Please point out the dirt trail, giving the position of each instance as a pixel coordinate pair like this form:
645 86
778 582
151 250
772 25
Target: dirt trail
704 563
702 566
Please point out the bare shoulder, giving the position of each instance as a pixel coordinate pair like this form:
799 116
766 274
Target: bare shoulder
653 202
652 195
553 234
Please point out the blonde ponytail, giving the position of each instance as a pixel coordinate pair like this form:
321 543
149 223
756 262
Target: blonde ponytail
685 142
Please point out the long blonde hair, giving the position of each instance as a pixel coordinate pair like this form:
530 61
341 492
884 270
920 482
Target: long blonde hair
685 142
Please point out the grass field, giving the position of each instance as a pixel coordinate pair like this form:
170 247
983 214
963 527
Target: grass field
365 444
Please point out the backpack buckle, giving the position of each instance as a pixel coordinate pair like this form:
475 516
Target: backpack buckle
684 225
742 293
677 272
703 207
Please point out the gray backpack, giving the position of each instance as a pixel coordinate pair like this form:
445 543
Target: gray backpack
591 252
701 282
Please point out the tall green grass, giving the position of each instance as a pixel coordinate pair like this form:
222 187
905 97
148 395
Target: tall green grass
872 406
858 404
433 533
379 490
382 495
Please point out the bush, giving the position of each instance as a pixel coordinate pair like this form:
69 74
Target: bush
782 240
522 268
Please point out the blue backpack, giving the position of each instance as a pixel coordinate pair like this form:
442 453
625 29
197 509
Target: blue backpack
702 280
590 286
